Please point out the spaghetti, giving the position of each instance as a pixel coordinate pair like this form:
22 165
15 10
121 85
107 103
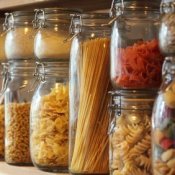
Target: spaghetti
90 154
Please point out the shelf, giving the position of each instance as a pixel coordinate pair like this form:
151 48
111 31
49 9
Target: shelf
6 169
86 5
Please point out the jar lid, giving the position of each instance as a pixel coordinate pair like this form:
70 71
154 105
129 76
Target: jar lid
22 18
119 6
54 15
132 100
89 20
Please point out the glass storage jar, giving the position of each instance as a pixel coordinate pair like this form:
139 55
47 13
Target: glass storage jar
3 68
130 132
163 125
89 86
18 96
135 57
2 41
49 118
167 27
19 41
51 40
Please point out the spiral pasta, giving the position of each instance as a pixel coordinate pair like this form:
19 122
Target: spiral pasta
130 144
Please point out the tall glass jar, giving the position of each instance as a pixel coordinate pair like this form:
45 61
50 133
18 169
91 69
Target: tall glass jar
17 109
163 125
49 117
51 40
135 57
167 27
130 132
89 86
19 40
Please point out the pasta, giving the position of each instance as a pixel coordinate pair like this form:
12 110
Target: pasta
17 133
1 131
49 128
130 143
90 151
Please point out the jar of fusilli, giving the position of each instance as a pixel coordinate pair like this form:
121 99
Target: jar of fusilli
130 132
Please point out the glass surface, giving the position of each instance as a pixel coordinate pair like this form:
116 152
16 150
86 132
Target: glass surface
17 108
89 86
49 119
136 60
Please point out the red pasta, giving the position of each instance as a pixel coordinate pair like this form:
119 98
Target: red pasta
139 66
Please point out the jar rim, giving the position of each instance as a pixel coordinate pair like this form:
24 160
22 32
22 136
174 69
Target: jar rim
134 94
133 5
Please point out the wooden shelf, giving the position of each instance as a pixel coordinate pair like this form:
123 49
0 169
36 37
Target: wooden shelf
6 169
86 5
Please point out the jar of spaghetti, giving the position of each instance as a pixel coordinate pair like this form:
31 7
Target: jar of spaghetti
130 132
89 86
19 40
136 60
50 117
52 38
167 27
18 82
163 125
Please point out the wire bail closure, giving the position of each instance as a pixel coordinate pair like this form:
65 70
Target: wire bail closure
168 6
6 77
36 22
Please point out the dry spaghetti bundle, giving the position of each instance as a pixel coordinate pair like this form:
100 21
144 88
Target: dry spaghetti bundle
90 154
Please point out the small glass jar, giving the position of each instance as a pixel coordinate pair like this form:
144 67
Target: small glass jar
18 96
89 86
51 40
130 132
136 60
49 118
19 41
3 67
163 125
167 28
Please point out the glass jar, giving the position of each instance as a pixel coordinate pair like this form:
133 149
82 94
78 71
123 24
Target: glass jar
136 61
19 41
3 68
49 118
167 27
130 132
2 41
51 40
89 86
163 125
17 109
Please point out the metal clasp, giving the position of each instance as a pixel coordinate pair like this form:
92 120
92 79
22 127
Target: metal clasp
73 26
36 22
114 109
6 77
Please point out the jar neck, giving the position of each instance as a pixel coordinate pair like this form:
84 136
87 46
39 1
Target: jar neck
122 6
92 22
21 68
132 100
19 18
54 69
